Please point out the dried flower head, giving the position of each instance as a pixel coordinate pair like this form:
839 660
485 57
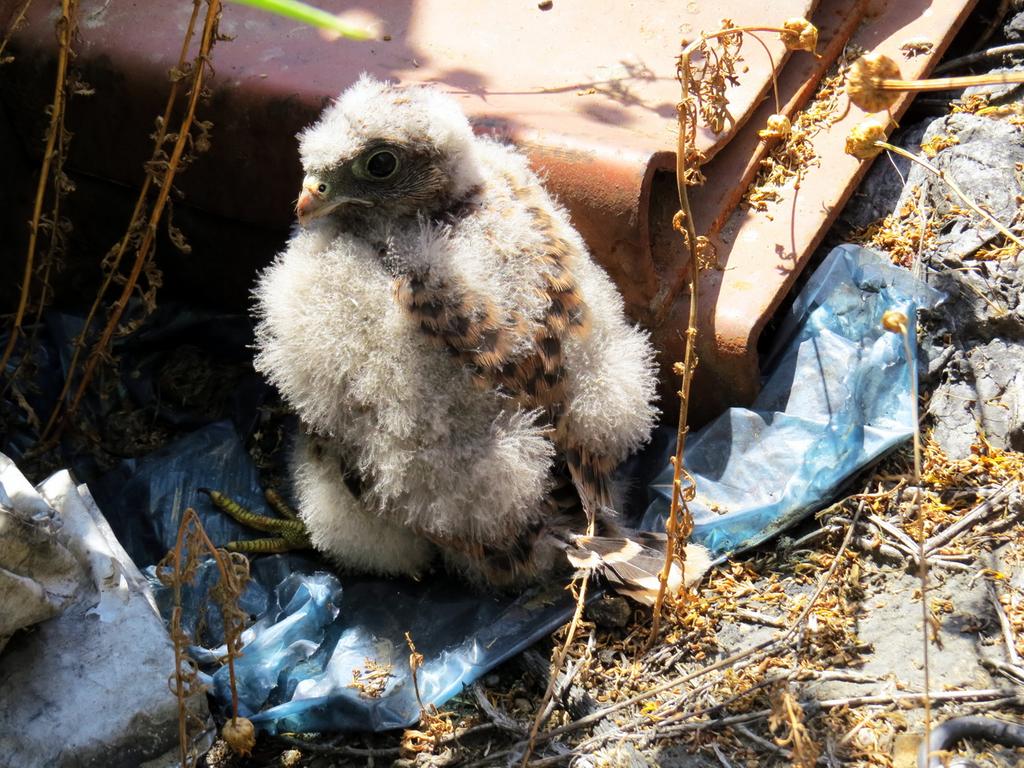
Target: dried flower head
799 35
864 138
894 321
707 255
936 144
240 735
862 82
778 127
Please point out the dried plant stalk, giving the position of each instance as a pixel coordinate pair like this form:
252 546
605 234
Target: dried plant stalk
680 521
951 83
897 322
415 662
703 91
18 18
787 718
557 665
145 247
66 26
179 568
875 84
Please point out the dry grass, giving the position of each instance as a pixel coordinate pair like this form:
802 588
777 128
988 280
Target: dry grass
372 679
795 612
903 235
178 568
787 161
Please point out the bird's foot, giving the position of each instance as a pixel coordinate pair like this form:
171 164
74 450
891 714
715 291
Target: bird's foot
289 531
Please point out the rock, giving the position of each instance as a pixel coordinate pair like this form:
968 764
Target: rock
1013 29
983 389
88 687
891 625
609 611
974 342
983 164
39 577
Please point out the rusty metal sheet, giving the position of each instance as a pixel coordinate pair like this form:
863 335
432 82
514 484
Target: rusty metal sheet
740 160
588 88
760 254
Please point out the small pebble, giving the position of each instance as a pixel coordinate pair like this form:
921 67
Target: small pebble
610 612
546 5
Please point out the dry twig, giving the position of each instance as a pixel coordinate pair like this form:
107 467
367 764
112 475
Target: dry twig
178 568
67 24
703 90
161 170
18 18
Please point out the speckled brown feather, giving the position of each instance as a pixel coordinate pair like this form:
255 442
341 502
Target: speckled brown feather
473 330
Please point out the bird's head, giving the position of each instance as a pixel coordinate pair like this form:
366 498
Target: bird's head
388 150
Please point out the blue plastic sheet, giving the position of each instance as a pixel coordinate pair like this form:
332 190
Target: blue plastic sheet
314 630
836 398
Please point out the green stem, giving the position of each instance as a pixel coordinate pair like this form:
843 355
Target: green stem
307 14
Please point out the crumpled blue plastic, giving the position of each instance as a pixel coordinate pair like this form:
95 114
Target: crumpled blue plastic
313 629
836 397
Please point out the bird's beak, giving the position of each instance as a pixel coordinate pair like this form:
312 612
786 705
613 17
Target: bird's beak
310 204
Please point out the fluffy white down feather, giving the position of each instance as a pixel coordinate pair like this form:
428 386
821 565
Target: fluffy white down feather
341 526
439 453
371 108
357 370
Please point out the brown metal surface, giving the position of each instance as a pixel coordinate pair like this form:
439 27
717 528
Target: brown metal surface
587 87
760 254
740 160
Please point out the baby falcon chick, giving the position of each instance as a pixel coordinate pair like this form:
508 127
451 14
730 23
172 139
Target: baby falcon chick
465 374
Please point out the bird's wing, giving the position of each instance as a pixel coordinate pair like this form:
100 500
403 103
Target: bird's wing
632 563
519 356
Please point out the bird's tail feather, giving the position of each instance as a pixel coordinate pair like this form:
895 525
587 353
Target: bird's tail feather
591 474
631 564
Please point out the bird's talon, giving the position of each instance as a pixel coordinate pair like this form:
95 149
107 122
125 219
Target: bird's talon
268 546
279 505
289 531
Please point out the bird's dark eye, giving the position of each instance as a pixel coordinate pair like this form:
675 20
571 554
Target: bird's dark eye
382 165
321 188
